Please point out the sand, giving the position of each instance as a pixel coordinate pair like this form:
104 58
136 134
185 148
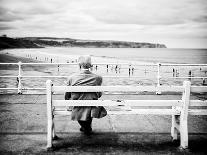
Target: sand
62 70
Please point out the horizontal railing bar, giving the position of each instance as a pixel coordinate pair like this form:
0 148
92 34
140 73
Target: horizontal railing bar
116 88
62 103
45 76
9 63
23 88
198 103
49 63
60 76
22 63
33 88
164 64
8 88
8 76
197 111
187 77
137 64
198 89
68 76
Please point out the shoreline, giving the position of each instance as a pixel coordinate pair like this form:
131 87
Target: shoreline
117 55
35 54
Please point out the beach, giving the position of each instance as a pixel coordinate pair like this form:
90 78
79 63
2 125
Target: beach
62 70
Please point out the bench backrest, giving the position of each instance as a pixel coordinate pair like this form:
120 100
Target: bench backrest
177 107
184 103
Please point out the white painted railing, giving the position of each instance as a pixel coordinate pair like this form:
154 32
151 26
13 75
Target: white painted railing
158 76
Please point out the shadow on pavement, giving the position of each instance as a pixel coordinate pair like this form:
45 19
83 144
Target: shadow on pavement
127 143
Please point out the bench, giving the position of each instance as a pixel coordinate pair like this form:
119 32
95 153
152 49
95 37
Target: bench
178 109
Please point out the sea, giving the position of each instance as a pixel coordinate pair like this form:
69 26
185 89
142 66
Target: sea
134 75
153 55
163 55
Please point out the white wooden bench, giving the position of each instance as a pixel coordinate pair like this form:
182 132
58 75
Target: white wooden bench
179 109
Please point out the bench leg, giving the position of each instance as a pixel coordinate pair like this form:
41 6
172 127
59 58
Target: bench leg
183 134
54 136
53 129
184 116
49 134
174 130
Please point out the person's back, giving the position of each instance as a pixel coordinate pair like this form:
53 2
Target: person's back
85 78
84 114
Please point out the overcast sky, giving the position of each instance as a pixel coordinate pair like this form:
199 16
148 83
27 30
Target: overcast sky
176 23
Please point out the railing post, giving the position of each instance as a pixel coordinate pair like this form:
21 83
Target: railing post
19 78
158 92
49 114
184 116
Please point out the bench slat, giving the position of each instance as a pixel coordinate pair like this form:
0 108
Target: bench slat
198 103
133 111
198 89
197 111
116 88
60 103
143 111
147 111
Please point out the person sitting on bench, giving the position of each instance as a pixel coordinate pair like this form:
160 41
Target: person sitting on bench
84 114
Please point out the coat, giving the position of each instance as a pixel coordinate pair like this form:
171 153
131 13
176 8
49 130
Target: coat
85 78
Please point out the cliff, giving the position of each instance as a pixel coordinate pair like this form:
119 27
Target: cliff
68 42
6 42
38 42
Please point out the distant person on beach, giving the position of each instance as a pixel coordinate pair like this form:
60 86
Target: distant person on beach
116 68
85 114
190 73
132 70
129 70
173 72
58 68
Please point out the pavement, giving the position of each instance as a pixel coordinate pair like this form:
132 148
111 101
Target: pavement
23 130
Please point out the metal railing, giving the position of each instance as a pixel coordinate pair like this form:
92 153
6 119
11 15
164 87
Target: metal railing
158 76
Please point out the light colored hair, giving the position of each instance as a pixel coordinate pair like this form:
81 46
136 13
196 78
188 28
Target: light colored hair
85 62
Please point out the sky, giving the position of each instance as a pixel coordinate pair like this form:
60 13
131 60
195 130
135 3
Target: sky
175 23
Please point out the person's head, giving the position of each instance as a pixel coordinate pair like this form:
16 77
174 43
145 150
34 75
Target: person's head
85 62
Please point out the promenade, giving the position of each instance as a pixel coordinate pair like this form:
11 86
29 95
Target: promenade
23 130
